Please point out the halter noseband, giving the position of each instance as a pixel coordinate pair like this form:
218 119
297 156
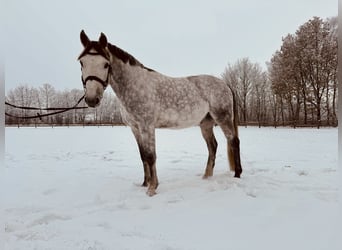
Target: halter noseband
95 78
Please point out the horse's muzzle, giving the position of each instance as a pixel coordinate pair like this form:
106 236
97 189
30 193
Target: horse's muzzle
92 102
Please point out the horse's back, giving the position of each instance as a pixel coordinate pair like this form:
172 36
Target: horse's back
184 102
179 103
213 89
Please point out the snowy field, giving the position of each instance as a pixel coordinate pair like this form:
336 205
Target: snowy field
79 189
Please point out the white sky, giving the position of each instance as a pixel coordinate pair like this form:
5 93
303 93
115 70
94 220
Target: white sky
177 38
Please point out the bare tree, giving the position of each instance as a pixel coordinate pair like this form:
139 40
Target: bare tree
47 93
260 99
241 77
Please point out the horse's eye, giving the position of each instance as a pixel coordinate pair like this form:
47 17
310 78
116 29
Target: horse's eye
81 64
106 65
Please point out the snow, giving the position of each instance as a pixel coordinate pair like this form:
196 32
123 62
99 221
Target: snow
79 188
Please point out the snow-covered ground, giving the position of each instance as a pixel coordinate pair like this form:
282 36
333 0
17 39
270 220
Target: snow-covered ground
79 189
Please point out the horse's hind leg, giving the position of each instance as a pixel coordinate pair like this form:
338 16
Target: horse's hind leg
234 155
206 126
233 143
233 148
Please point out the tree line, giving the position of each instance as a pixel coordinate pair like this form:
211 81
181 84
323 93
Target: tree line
298 88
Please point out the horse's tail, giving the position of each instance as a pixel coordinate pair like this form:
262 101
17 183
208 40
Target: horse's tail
231 154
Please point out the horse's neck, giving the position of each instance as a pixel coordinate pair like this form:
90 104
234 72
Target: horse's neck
118 82
123 79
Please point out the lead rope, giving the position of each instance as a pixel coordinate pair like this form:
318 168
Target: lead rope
60 110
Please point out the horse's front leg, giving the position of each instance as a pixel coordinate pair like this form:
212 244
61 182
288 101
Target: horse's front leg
147 174
146 143
148 157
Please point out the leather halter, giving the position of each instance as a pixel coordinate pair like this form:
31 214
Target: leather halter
95 78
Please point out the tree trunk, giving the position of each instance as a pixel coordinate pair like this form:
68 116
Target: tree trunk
245 111
282 111
297 108
334 105
291 113
327 104
305 109
318 115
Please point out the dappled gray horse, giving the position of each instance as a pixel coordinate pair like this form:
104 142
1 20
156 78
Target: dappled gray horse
150 100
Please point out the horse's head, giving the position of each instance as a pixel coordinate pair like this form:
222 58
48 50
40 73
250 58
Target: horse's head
95 67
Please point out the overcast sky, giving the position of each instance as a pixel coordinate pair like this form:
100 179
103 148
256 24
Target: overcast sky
176 38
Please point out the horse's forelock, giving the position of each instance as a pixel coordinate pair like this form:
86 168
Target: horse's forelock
97 47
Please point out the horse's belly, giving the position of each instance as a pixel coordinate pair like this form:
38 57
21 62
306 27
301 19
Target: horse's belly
183 118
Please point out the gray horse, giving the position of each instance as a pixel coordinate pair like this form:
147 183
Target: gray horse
150 100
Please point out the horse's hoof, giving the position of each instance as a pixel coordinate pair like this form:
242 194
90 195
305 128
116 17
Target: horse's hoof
145 184
151 192
207 174
237 175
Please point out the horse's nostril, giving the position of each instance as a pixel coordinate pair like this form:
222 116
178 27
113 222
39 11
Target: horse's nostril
92 102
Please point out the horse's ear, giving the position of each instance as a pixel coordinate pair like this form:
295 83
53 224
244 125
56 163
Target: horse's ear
84 39
103 40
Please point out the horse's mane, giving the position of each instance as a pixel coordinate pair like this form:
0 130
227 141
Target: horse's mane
116 51
125 57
